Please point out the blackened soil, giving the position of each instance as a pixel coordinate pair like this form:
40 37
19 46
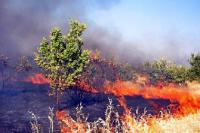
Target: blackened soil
18 98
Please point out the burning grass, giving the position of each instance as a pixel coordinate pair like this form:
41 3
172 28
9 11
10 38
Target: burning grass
187 100
134 123
183 114
67 65
184 117
127 123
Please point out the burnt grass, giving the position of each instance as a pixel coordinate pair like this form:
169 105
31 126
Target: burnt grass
17 98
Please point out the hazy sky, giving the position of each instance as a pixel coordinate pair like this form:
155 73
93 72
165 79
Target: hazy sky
136 18
130 29
155 25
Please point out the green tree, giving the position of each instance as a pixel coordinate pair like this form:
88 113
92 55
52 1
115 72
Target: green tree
126 72
163 70
62 57
178 74
157 70
194 72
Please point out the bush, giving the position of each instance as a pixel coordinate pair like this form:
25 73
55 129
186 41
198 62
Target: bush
163 70
194 72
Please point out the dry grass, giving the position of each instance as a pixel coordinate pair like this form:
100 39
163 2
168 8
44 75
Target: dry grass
130 123
187 124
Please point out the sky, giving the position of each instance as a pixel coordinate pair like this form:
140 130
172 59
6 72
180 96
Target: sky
134 18
130 30
156 24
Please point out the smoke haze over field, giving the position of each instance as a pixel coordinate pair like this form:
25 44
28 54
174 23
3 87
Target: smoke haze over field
24 22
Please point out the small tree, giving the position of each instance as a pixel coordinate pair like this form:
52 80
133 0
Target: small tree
178 73
126 72
166 71
194 72
62 57
157 70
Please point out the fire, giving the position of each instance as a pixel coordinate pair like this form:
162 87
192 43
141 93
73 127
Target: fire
37 79
142 80
126 123
68 125
194 87
186 97
122 102
187 100
186 111
86 87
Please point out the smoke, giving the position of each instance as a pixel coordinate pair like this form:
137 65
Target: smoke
24 22
112 45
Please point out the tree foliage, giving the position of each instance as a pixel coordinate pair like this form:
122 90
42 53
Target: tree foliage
62 57
163 70
126 72
178 73
194 72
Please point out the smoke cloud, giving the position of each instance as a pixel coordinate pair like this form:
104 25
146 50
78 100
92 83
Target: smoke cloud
24 22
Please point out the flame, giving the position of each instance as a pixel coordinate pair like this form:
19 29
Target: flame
194 87
129 123
186 111
122 102
37 79
184 99
186 96
142 79
187 100
68 125
86 87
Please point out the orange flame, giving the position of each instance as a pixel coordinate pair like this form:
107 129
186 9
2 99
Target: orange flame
86 87
188 101
186 96
122 102
68 125
37 79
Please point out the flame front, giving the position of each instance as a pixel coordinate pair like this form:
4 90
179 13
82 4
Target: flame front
37 79
187 96
185 115
188 101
